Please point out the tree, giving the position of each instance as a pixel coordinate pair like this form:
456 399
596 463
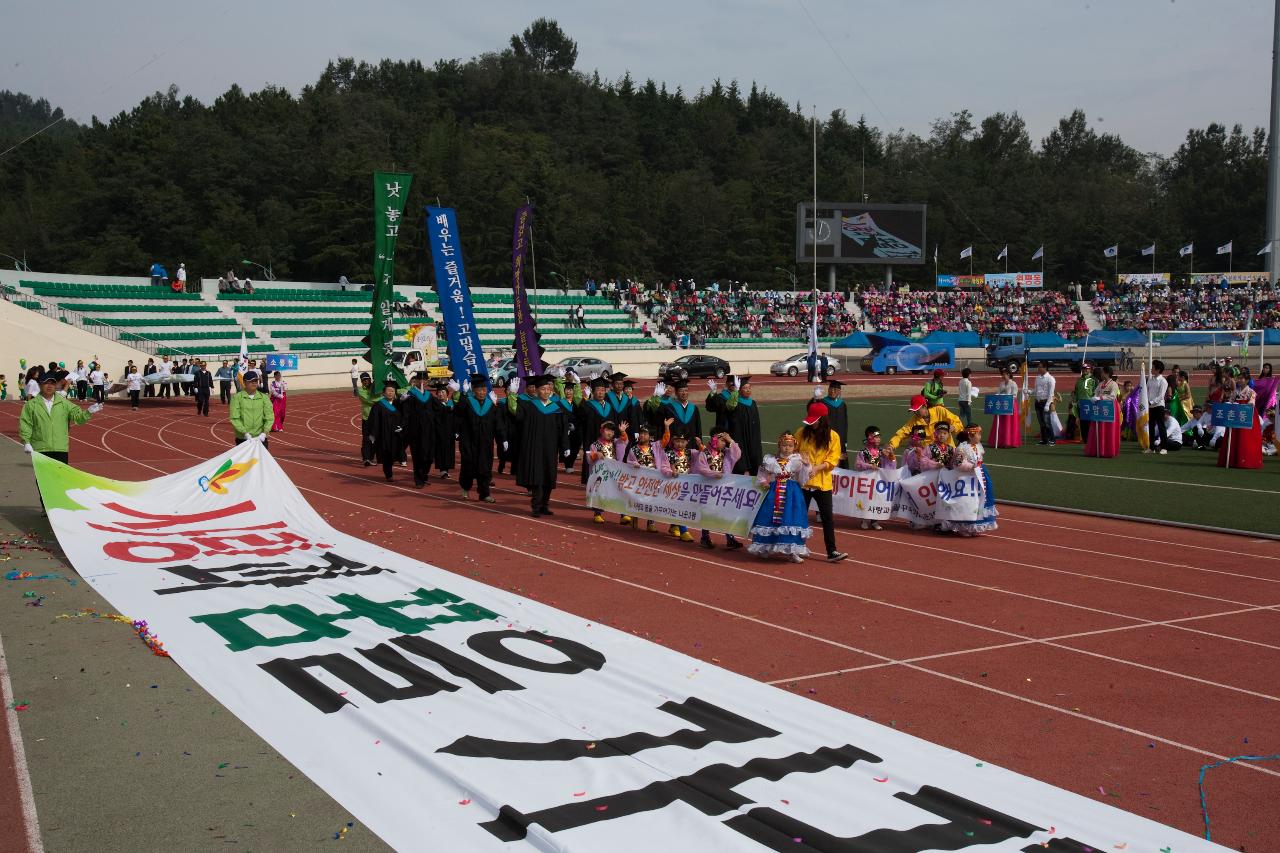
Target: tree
546 47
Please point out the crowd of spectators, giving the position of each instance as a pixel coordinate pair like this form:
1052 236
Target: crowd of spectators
1192 306
741 313
987 312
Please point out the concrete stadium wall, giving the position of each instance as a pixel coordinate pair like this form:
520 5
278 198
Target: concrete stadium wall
39 339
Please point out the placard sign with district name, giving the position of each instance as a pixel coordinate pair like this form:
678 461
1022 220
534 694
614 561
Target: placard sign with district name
998 404
1098 411
1233 415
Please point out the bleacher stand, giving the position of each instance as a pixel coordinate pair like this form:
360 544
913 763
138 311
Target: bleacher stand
311 321
716 315
605 324
986 312
1191 307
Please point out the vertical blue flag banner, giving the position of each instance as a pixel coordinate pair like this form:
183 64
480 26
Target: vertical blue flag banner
466 356
529 351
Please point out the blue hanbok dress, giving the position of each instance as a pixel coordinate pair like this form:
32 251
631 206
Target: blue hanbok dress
781 525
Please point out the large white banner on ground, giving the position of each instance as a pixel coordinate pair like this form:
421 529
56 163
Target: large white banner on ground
725 504
921 499
449 715
868 495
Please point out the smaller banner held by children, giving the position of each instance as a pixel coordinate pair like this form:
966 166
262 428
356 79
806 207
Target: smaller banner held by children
866 495
724 504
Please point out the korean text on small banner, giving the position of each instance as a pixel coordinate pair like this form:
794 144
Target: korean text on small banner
1098 411
916 500
959 495
864 494
390 192
998 404
1233 415
446 714
725 504
466 355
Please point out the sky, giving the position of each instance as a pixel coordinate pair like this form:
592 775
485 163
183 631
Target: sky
1147 70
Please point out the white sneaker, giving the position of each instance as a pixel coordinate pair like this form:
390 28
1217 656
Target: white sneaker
1163 451
866 525
796 558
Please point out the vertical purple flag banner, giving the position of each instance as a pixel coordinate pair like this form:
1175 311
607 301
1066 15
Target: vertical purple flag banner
466 355
528 349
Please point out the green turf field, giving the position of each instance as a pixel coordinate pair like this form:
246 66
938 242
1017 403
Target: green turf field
1186 486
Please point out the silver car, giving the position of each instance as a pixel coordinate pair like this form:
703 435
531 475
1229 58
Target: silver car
798 364
586 367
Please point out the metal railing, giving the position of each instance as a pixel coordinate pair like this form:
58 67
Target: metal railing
94 325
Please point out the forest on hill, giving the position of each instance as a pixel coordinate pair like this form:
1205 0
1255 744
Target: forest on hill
629 178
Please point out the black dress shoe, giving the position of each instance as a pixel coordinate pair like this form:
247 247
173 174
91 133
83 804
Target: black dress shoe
546 511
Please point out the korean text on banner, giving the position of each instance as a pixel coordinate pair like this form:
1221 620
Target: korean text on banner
445 714
864 494
529 352
466 356
725 504
998 404
390 192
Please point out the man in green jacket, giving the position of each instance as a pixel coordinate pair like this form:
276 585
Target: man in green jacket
46 420
933 390
251 413
367 397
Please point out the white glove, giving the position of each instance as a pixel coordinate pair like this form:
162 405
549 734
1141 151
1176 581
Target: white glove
27 448
711 384
659 389
453 385
94 408
466 386
505 446
513 387
566 453
493 397
817 392
558 372
399 429
570 373
732 381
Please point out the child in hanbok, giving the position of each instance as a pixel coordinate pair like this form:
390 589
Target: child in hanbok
715 459
606 446
277 389
643 453
781 525
679 461
914 454
968 458
873 457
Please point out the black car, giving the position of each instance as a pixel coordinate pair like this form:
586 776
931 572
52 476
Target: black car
693 367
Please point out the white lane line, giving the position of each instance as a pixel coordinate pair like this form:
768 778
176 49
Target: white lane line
26 799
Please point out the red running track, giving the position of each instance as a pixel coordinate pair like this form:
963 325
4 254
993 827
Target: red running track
1095 655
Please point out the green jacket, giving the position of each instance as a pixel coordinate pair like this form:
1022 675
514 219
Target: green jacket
933 392
367 396
251 415
46 429
1085 386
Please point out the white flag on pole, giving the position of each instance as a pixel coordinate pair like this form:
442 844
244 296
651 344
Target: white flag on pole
244 350
935 253
1039 254
1004 253
1186 250
1225 249
1265 250
1149 250
1111 251
966 252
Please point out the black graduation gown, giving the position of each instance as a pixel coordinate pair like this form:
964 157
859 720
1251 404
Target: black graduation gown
627 409
441 433
688 420
383 426
478 426
590 417
838 417
418 431
716 402
744 428
512 427
544 437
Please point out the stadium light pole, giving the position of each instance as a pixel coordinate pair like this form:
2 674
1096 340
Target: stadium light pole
267 270
789 274
1273 152
20 265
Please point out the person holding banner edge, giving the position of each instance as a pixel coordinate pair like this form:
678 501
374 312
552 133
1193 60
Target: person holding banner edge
251 415
715 459
45 421
873 457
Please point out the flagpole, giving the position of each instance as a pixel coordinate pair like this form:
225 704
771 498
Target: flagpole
815 199
1153 258
533 262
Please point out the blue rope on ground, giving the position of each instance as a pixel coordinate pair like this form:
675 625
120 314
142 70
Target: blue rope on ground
1204 805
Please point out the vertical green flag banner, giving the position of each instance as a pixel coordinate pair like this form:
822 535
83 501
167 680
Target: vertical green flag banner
390 192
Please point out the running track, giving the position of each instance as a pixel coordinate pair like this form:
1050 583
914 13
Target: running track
1095 655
